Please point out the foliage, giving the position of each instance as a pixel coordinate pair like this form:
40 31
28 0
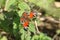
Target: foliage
13 10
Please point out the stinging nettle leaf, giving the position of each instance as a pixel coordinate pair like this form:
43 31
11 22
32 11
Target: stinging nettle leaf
4 38
2 16
8 4
23 6
2 3
31 27
20 13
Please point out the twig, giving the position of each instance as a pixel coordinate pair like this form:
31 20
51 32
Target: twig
59 24
54 36
52 20
36 27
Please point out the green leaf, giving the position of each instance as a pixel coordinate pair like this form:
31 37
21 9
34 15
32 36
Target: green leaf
4 38
23 6
20 13
31 27
28 37
23 32
9 3
25 35
41 36
44 37
58 31
22 36
1 16
2 3
14 25
35 37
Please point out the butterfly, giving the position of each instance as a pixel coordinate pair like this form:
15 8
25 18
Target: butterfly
25 19
25 15
31 15
25 23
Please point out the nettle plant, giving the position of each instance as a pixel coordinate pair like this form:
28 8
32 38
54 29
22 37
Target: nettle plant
17 18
